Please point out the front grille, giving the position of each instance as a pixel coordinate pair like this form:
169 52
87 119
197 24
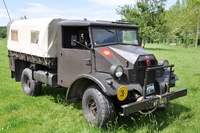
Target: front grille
141 76
142 66
152 74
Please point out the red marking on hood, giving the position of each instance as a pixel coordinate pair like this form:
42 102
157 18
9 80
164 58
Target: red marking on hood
106 52
140 47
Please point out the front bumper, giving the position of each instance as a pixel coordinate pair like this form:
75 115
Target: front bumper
154 101
150 102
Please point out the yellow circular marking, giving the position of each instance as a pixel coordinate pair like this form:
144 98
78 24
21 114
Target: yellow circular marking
122 93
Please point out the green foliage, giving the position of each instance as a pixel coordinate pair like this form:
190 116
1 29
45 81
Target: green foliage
50 112
182 21
3 32
179 24
149 16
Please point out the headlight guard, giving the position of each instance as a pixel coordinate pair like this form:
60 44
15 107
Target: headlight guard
116 71
164 63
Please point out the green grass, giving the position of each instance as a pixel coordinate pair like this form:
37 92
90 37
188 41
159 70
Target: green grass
51 113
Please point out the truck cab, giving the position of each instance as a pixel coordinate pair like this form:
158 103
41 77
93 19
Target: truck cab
101 63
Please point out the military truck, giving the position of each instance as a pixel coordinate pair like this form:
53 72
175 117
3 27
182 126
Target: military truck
101 63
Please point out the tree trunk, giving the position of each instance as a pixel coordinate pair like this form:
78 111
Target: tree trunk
197 35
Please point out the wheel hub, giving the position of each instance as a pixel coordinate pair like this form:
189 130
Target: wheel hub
92 106
28 84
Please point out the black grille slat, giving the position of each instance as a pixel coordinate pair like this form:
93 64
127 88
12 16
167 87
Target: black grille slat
142 66
141 76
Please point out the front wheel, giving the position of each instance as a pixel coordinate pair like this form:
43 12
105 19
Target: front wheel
30 86
97 108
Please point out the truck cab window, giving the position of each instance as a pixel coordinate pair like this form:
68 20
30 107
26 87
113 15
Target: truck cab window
73 36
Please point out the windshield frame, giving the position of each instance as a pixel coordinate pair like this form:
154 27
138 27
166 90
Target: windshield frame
116 29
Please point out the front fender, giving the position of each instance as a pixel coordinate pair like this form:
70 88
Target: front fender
81 82
164 79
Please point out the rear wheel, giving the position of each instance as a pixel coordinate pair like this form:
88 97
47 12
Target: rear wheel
30 86
97 108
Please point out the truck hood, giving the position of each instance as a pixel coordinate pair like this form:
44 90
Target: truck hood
120 55
129 53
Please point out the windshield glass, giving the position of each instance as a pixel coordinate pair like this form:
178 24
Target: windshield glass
104 36
127 36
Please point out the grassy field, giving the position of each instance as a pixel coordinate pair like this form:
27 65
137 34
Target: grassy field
50 113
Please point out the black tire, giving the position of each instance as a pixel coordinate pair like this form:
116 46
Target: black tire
29 86
97 108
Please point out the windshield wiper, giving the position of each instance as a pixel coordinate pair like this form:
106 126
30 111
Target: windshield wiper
108 30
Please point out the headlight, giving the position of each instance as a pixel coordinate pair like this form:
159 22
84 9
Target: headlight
164 63
116 71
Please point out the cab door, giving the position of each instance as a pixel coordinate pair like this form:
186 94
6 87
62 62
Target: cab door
71 63
73 58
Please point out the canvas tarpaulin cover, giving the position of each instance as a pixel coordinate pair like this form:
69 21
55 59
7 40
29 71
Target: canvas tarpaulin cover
33 36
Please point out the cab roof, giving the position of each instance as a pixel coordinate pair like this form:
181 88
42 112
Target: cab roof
95 23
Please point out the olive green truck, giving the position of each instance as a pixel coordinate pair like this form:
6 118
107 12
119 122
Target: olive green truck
101 63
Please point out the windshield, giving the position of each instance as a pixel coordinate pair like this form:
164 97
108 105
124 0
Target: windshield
104 36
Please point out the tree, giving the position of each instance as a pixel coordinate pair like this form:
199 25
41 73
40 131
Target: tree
183 21
194 16
173 22
3 33
149 16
